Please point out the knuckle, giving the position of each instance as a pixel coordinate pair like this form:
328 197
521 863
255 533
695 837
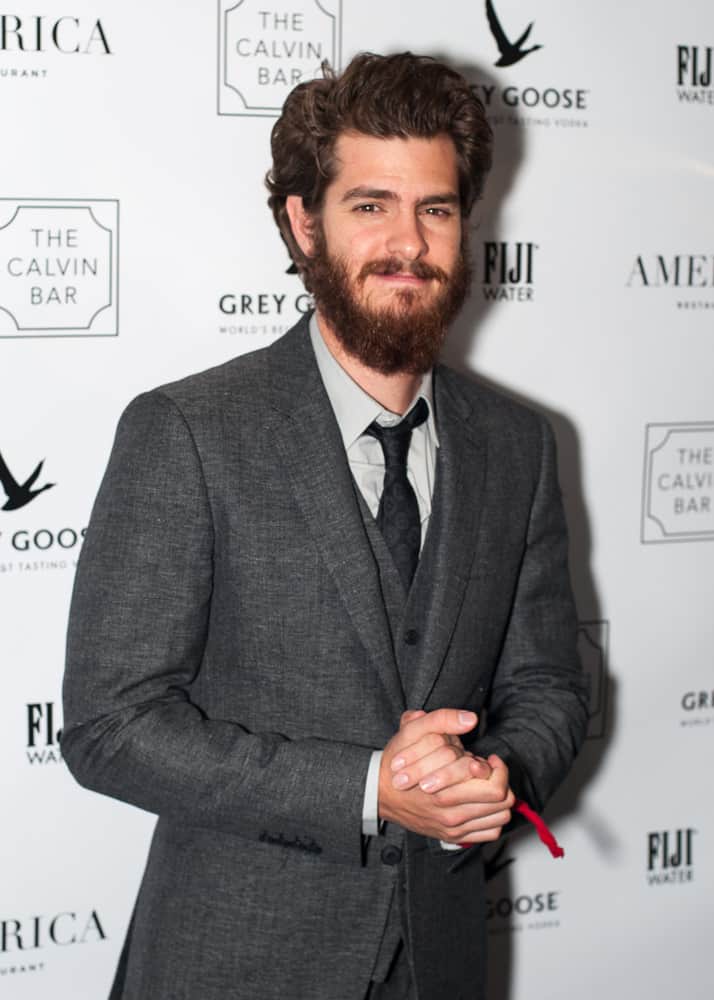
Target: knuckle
453 818
435 720
435 740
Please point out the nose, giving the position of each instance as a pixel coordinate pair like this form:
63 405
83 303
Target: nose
406 237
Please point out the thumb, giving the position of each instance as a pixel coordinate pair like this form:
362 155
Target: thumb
497 764
409 715
481 768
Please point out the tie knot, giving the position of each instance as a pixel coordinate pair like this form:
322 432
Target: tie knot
395 440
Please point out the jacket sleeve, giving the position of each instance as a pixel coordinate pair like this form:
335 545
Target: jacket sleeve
538 704
138 623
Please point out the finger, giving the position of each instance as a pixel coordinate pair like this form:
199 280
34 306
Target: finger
431 763
480 837
453 721
488 828
494 773
470 795
497 764
453 773
428 743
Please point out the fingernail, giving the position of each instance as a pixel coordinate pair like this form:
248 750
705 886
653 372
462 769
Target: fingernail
397 763
467 718
427 784
400 780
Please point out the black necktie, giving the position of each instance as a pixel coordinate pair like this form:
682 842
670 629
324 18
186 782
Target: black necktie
398 514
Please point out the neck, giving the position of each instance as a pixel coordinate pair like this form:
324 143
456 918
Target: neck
394 392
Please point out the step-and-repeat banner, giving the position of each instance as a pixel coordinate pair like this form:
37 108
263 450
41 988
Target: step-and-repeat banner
136 247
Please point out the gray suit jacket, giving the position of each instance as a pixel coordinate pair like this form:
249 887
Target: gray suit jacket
231 667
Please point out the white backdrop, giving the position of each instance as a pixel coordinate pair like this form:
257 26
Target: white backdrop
135 247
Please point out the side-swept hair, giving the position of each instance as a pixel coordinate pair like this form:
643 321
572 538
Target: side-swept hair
401 96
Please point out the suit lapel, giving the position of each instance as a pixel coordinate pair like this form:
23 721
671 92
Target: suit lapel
440 582
310 447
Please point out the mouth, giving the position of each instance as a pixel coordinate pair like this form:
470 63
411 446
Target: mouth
402 279
399 274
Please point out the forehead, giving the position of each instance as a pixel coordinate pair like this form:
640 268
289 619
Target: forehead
421 166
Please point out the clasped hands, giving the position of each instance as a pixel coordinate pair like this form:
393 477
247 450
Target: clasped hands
430 784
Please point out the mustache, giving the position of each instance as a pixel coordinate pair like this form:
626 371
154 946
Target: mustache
392 265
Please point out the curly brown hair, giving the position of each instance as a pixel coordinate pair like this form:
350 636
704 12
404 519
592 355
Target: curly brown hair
401 95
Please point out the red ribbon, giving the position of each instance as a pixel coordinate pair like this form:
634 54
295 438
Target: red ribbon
542 829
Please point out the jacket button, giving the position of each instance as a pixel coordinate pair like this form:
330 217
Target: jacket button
391 854
411 637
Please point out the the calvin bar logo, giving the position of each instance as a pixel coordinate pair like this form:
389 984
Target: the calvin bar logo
264 51
509 271
695 72
19 494
670 856
510 52
43 734
593 643
58 267
678 487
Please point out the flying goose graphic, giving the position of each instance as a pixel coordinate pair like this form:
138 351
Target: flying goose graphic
511 52
19 494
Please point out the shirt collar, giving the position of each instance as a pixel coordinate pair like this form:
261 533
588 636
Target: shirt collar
354 408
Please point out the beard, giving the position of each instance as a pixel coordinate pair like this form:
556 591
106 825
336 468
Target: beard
405 336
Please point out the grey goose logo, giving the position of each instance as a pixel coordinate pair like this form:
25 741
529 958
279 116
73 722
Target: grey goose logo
548 103
511 52
525 911
20 494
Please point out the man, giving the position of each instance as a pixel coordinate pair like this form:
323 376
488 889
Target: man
306 574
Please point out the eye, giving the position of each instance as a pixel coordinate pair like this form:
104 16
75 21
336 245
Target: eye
438 211
368 208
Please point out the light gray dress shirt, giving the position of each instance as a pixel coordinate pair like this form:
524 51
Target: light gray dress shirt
355 410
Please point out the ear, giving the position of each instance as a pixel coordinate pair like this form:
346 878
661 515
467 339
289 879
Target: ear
301 223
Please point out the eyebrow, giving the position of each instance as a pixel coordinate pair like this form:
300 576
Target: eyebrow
383 194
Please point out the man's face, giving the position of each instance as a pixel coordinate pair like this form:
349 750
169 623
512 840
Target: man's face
388 272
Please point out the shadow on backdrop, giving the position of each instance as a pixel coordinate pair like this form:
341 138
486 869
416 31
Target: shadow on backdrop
510 150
